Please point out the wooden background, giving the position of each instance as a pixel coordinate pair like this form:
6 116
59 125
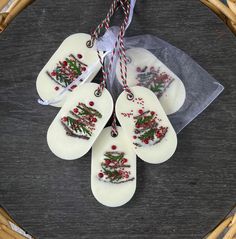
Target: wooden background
183 198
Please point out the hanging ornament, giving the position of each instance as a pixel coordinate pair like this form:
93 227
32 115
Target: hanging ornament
75 62
70 61
113 165
113 169
144 69
146 125
80 121
142 117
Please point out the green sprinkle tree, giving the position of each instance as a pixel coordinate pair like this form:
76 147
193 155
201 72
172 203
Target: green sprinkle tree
147 130
114 168
67 71
82 121
155 80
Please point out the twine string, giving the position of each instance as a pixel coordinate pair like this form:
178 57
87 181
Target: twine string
118 46
122 50
122 56
105 23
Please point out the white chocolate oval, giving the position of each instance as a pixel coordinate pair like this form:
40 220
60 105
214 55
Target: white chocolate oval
72 147
163 140
113 193
174 93
47 87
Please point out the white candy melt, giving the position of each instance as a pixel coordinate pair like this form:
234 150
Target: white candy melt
146 125
113 169
70 60
144 69
79 122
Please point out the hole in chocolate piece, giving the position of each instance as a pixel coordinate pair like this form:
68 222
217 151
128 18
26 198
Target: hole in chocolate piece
114 134
128 60
130 96
89 43
97 93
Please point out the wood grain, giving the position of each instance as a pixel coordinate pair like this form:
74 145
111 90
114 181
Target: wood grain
51 198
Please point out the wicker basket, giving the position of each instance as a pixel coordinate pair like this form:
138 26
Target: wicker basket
9 9
227 11
9 229
226 229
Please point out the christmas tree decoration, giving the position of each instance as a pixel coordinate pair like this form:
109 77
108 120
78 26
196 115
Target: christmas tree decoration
113 169
72 59
144 69
154 79
83 123
147 130
146 125
79 122
67 71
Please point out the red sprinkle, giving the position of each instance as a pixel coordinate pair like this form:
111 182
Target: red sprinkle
120 172
65 63
64 119
73 87
75 110
56 88
79 56
91 103
113 147
134 137
146 141
83 69
100 175
53 73
152 113
140 112
94 120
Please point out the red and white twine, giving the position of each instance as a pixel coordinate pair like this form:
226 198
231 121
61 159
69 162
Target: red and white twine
119 45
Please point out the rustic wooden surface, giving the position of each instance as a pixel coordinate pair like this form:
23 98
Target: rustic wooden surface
51 198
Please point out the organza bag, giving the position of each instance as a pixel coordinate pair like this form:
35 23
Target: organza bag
200 87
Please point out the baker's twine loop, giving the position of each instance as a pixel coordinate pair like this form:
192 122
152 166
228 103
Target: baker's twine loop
114 131
122 50
105 23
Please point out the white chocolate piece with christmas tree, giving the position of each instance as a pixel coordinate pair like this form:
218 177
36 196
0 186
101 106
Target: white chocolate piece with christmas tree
79 122
113 169
70 60
144 69
146 125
